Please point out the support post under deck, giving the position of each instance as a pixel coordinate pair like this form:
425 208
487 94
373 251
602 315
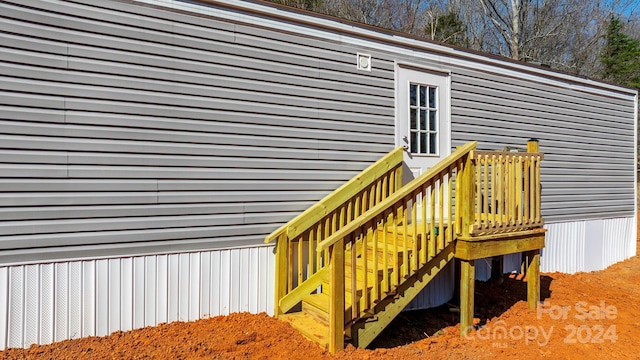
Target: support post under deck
533 278
467 290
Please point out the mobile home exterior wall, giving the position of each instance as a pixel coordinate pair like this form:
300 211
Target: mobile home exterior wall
148 146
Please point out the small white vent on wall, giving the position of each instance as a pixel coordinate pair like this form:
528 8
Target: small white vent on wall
363 62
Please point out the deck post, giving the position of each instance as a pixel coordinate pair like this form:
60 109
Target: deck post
467 290
468 196
336 295
533 278
532 263
281 273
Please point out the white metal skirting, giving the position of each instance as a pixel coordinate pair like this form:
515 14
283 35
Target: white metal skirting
588 245
437 292
570 247
43 303
441 289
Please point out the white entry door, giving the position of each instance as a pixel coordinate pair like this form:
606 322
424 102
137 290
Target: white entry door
423 117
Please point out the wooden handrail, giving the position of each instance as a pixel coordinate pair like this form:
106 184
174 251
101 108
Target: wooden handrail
405 191
338 197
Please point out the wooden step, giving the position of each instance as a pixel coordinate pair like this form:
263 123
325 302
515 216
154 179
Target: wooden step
310 327
371 279
380 251
359 266
380 258
317 307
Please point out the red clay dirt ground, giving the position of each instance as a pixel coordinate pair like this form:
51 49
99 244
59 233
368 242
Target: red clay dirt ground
584 316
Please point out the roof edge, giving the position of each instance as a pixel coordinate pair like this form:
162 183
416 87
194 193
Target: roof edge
352 28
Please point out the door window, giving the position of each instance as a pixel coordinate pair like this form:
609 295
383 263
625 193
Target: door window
423 119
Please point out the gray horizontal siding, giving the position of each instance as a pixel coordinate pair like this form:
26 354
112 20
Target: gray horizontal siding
127 128
93 211
588 140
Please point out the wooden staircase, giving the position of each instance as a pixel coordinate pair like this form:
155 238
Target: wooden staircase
347 266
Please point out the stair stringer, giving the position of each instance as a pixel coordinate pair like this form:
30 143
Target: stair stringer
363 332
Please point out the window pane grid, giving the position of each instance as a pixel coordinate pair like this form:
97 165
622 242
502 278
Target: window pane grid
423 119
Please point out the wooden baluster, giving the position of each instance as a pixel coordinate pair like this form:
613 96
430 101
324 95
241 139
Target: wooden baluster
532 189
433 240
290 267
507 197
405 239
527 184
423 208
505 183
414 223
441 212
311 249
494 190
396 265
378 191
363 201
365 267
510 190
372 195
449 205
334 222
514 190
376 285
459 175
327 233
485 161
478 204
354 279
392 182
300 260
398 177
502 190
517 189
538 190
388 219
336 298
385 186
319 253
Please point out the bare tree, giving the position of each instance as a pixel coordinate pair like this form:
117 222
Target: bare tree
564 34
399 15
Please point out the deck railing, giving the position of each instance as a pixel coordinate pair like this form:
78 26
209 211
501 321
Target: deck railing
420 214
297 259
507 191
